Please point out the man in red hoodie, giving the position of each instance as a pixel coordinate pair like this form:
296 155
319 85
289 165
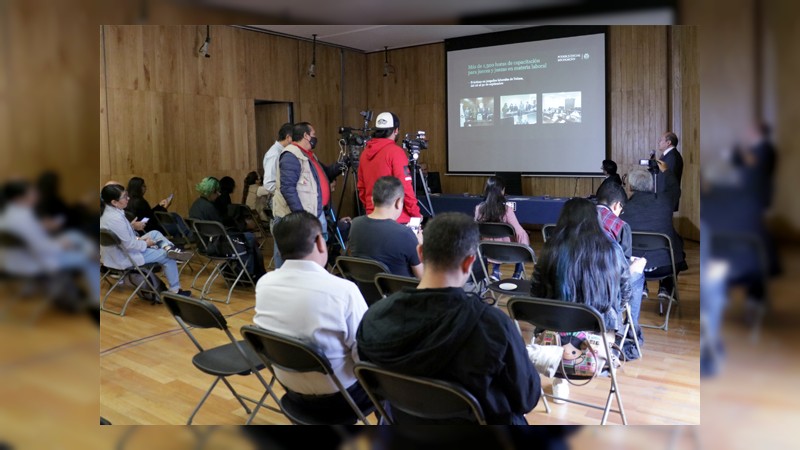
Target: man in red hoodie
383 157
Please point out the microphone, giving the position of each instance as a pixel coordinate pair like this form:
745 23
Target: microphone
652 154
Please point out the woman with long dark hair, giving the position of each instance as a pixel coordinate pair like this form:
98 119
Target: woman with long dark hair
494 209
153 247
140 208
580 263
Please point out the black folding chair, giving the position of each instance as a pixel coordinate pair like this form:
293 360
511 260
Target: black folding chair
495 230
234 358
568 317
362 271
547 231
289 354
418 400
645 241
109 239
246 213
506 253
219 248
387 284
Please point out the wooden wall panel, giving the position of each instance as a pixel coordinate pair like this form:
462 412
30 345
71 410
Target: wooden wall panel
105 164
125 57
271 63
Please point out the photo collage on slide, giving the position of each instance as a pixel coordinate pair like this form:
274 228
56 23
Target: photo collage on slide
521 109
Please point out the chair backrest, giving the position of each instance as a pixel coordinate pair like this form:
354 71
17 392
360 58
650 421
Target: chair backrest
207 229
646 241
424 399
506 252
194 312
388 284
556 315
108 238
286 353
494 230
547 231
362 272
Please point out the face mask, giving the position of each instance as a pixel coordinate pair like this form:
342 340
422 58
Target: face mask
313 142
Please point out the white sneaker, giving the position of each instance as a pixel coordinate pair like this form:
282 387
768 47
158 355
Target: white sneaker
560 389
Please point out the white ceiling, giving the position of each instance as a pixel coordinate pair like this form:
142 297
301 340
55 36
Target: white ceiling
373 38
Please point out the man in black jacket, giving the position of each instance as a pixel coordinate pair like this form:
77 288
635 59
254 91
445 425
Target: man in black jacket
648 211
670 165
440 331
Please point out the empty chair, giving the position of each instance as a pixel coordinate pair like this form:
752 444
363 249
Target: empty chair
568 317
228 258
289 354
645 241
234 358
387 284
109 239
506 252
418 400
362 271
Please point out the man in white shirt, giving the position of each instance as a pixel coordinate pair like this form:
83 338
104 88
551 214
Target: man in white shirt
271 157
303 300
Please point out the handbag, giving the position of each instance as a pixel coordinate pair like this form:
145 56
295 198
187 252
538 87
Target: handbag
581 358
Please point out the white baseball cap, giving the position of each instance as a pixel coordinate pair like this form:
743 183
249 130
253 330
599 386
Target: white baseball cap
387 120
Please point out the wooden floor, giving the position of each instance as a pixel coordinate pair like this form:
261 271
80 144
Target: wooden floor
147 376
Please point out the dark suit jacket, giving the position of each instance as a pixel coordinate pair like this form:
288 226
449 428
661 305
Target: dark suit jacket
610 179
674 162
646 211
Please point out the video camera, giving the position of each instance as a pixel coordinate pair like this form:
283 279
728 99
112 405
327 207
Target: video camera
352 141
414 146
651 164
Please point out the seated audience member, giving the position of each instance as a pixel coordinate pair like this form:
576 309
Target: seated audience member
256 196
494 209
303 300
440 331
223 200
140 208
153 247
44 254
378 235
646 211
610 171
611 200
580 263
203 209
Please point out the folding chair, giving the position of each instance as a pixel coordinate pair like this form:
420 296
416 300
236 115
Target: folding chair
233 358
506 253
418 400
245 212
54 283
645 241
109 239
362 271
561 316
547 231
495 230
293 355
220 250
387 284
181 239
627 320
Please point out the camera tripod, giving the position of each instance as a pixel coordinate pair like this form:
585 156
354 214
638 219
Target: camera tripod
350 170
416 170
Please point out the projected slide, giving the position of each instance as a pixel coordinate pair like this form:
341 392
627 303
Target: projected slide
476 112
518 109
561 107
534 106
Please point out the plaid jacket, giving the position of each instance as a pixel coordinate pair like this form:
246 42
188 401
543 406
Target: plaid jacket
617 229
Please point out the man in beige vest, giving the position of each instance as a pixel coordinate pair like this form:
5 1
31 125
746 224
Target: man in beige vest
303 182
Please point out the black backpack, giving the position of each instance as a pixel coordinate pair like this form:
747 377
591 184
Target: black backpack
145 293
